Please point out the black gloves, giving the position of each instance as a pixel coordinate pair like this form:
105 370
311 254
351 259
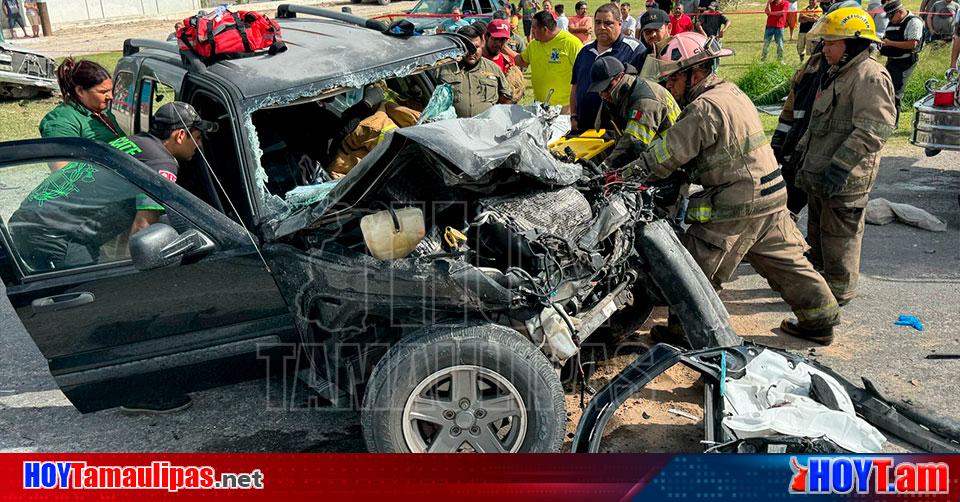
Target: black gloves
833 179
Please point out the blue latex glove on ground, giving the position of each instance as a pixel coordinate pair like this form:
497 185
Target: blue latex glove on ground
909 320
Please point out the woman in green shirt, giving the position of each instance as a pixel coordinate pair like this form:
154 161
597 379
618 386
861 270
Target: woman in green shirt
87 91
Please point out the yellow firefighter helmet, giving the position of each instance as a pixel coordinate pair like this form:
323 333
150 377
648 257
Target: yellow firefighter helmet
848 22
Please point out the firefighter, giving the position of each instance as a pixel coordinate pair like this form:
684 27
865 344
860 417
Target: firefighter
852 116
641 109
795 115
741 213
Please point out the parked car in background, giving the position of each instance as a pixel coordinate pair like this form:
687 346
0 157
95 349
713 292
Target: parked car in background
25 74
472 9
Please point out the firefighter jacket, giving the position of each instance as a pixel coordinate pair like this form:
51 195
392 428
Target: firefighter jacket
795 115
719 141
642 110
852 116
368 134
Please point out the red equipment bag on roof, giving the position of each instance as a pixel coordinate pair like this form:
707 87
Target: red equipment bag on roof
224 34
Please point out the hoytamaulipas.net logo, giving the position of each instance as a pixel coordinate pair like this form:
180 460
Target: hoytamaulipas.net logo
875 475
158 475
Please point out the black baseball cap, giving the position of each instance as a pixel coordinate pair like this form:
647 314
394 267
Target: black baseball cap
179 115
653 19
603 71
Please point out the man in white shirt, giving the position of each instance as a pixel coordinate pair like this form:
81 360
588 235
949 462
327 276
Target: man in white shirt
629 23
562 21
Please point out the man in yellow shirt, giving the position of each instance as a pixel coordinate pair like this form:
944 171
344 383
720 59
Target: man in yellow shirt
550 57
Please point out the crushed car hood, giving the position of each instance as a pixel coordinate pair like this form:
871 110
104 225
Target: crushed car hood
472 153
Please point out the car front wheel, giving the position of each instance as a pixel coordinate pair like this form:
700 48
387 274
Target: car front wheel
483 389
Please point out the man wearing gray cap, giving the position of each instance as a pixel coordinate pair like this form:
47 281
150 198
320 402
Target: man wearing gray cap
901 44
640 108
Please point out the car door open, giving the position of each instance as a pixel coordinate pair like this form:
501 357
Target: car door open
112 328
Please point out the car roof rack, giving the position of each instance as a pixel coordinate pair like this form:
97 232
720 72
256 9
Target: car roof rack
133 46
288 11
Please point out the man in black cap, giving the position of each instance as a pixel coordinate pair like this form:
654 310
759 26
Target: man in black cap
654 30
901 45
77 209
61 229
640 108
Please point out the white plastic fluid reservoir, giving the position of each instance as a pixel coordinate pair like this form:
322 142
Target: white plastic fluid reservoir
384 240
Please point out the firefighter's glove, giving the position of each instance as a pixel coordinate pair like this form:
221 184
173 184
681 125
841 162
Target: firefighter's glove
637 170
833 179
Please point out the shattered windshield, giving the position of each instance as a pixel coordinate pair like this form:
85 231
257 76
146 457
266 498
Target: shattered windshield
305 141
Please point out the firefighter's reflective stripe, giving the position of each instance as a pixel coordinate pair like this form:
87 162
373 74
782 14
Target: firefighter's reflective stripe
643 133
828 312
660 151
699 212
673 111
784 127
387 127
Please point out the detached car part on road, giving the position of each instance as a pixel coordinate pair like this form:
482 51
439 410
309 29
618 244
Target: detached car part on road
25 74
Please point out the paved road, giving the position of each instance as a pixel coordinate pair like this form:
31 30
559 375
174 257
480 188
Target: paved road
906 270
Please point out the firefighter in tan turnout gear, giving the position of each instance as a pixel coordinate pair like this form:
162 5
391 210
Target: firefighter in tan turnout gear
852 115
741 213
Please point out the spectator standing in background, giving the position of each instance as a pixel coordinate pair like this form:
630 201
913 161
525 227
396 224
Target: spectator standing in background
33 15
581 25
628 22
11 9
547 6
550 56
654 30
776 20
712 23
528 8
455 22
792 17
562 21
679 22
496 48
478 83
585 106
901 45
940 19
875 9
806 22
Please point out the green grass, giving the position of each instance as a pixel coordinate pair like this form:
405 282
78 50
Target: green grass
20 119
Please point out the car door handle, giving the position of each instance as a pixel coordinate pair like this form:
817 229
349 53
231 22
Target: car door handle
60 302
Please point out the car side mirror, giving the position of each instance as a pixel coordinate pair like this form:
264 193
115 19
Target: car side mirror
159 245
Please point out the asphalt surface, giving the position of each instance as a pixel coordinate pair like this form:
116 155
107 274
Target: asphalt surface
906 271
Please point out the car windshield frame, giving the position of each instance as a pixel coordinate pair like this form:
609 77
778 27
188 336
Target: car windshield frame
436 6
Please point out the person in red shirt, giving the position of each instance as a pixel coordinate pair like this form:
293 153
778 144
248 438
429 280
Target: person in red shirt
679 22
495 49
581 25
776 20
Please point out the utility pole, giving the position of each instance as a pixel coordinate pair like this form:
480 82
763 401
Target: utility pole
44 18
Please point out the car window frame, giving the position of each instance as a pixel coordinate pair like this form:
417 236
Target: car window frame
171 196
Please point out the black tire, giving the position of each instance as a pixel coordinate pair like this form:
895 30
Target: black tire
495 351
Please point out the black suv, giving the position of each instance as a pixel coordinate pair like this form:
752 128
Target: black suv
456 346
